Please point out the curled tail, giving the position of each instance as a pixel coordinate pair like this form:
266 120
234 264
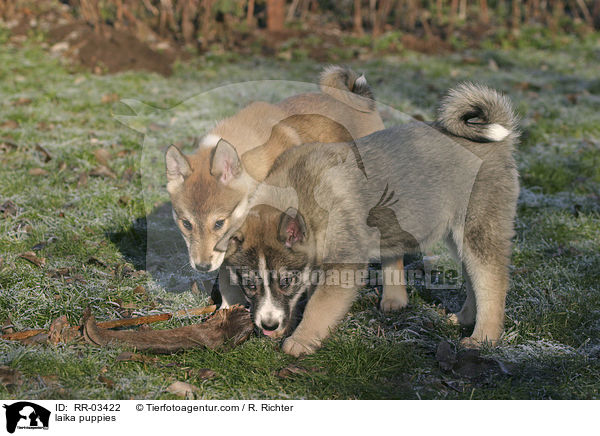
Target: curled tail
345 85
478 113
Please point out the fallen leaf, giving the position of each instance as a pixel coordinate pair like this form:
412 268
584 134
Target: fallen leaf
10 378
45 126
8 209
95 261
33 258
39 246
109 98
82 180
22 101
202 373
9 124
124 200
182 389
124 152
56 332
46 156
128 174
103 171
38 172
195 290
445 356
155 127
140 290
469 363
62 166
7 327
102 156
291 370
108 382
7 145
49 380
59 273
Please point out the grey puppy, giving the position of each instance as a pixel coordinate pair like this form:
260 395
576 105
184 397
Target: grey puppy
325 210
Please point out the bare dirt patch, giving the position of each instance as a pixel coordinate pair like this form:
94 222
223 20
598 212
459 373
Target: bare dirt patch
108 49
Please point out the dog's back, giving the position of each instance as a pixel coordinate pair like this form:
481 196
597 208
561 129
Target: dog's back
432 175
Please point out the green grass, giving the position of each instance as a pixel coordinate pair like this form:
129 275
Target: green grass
552 339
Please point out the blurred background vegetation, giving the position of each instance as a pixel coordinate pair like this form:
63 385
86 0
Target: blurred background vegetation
324 30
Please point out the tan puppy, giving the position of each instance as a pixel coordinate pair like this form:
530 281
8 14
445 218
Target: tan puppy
237 154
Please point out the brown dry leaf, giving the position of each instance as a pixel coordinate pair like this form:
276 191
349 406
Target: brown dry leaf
8 209
95 261
103 171
9 124
59 273
445 355
62 166
202 373
50 380
110 383
195 290
46 156
45 126
128 174
7 145
124 152
38 172
7 326
33 258
291 370
82 180
140 290
109 98
22 101
182 389
59 331
10 378
102 156
124 200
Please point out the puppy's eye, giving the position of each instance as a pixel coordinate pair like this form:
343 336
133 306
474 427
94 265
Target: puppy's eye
287 280
186 224
219 224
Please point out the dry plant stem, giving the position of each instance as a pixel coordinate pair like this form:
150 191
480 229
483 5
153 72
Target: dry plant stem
232 325
125 322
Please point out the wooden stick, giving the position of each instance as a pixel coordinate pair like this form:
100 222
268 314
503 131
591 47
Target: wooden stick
125 322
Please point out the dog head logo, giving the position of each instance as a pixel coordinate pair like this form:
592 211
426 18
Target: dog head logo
24 414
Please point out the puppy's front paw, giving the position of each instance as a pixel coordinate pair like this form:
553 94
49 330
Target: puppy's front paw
394 298
296 347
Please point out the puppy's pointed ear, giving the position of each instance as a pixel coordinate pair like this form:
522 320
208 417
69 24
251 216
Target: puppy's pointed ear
178 167
292 228
225 163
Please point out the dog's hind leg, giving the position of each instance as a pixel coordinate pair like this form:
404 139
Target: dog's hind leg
488 277
394 295
466 315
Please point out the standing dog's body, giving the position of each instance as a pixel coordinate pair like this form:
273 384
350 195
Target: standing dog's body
411 186
236 155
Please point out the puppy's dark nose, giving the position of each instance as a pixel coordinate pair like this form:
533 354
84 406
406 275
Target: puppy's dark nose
269 326
203 266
